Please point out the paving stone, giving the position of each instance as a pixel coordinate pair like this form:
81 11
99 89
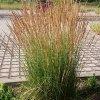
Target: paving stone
15 66
91 64
15 73
15 59
13 79
15 69
6 63
14 63
87 69
84 59
5 67
97 58
22 73
4 75
87 74
4 71
91 59
95 62
98 64
96 68
80 69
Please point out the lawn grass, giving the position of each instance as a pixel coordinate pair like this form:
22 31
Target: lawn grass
91 3
14 6
96 27
87 6
10 6
97 11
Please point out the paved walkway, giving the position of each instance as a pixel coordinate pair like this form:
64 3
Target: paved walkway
11 56
90 56
11 69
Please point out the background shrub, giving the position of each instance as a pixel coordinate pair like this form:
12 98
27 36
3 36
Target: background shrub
8 93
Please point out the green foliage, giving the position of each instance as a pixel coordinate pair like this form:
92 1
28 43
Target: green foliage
95 27
8 6
7 94
10 1
52 76
17 0
82 10
92 83
1 87
43 0
97 10
88 88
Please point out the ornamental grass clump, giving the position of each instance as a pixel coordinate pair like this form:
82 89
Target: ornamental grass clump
51 42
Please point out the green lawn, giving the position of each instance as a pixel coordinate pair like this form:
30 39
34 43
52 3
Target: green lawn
91 3
10 6
94 6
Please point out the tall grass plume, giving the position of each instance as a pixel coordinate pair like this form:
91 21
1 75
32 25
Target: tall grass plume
52 42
